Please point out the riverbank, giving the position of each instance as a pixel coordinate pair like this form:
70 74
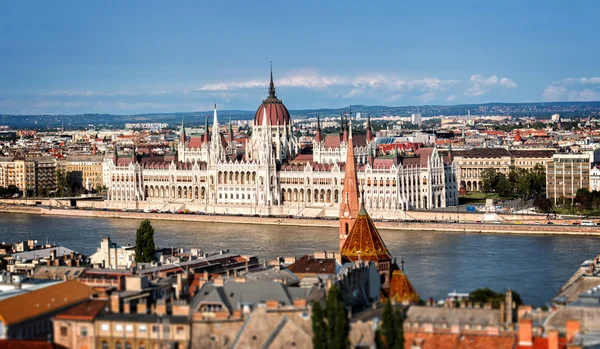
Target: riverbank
481 228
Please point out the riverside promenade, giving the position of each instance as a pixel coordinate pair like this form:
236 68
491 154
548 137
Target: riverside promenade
442 226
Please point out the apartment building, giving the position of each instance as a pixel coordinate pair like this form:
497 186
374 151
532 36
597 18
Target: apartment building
470 164
567 173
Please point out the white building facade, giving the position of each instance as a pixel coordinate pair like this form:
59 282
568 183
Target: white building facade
272 178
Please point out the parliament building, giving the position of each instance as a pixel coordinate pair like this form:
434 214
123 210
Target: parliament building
270 176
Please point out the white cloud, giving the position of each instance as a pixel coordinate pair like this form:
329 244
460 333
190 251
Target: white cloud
480 85
316 81
573 89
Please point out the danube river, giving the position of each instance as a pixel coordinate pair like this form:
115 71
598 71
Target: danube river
436 263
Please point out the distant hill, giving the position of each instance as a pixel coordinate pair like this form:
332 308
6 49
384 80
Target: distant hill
566 109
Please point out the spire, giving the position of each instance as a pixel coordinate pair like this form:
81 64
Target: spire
369 134
318 135
215 121
349 208
115 154
272 85
230 132
206 130
182 133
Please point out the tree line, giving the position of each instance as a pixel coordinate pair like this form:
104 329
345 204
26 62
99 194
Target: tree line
522 183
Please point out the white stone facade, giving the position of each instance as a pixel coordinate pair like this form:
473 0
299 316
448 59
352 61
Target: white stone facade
261 184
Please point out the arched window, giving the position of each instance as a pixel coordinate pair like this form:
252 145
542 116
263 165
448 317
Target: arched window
347 232
104 345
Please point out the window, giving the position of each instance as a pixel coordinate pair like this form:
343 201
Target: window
84 332
63 330
118 346
179 330
104 345
127 345
166 329
142 328
119 327
129 328
155 329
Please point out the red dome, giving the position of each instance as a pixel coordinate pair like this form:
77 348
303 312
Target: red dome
277 113
518 137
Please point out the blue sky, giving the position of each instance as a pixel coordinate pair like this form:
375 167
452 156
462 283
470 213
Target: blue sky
129 57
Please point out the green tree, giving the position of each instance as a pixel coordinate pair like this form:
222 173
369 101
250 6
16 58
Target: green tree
62 184
487 295
489 177
583 199
319 327
543 204
503 186
144 242
338 327
390 335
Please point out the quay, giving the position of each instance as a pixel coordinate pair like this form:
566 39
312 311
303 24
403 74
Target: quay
531 227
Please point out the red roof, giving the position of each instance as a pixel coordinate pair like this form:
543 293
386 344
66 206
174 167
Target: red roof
85 311
20 344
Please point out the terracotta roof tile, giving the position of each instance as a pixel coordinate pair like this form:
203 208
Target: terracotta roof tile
364 241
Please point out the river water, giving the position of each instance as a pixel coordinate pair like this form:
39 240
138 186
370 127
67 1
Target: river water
435 262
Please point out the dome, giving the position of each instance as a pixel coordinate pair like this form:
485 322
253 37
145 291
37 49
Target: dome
518 138
277 113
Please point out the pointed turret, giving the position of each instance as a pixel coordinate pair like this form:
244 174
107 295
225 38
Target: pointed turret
364 242
345 131
318 135
272 85
369 129
215 139
230 133
115 154
182 133
206 137
349 206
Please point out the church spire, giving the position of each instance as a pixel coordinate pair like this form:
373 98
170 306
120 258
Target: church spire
349 207
272 85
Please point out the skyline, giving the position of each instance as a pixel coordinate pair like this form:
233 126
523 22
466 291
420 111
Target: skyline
149 57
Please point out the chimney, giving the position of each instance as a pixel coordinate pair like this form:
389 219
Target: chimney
205 276
161 307
52 254
509 307
142 307
115 303
552 339
126 308
525 332
524 309
247 266
179 286
573 328
272 304
502 313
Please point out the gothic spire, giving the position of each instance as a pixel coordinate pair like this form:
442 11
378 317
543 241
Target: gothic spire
272 85
349 206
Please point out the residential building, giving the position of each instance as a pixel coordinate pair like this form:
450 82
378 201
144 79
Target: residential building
83 170
28 315
566 174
